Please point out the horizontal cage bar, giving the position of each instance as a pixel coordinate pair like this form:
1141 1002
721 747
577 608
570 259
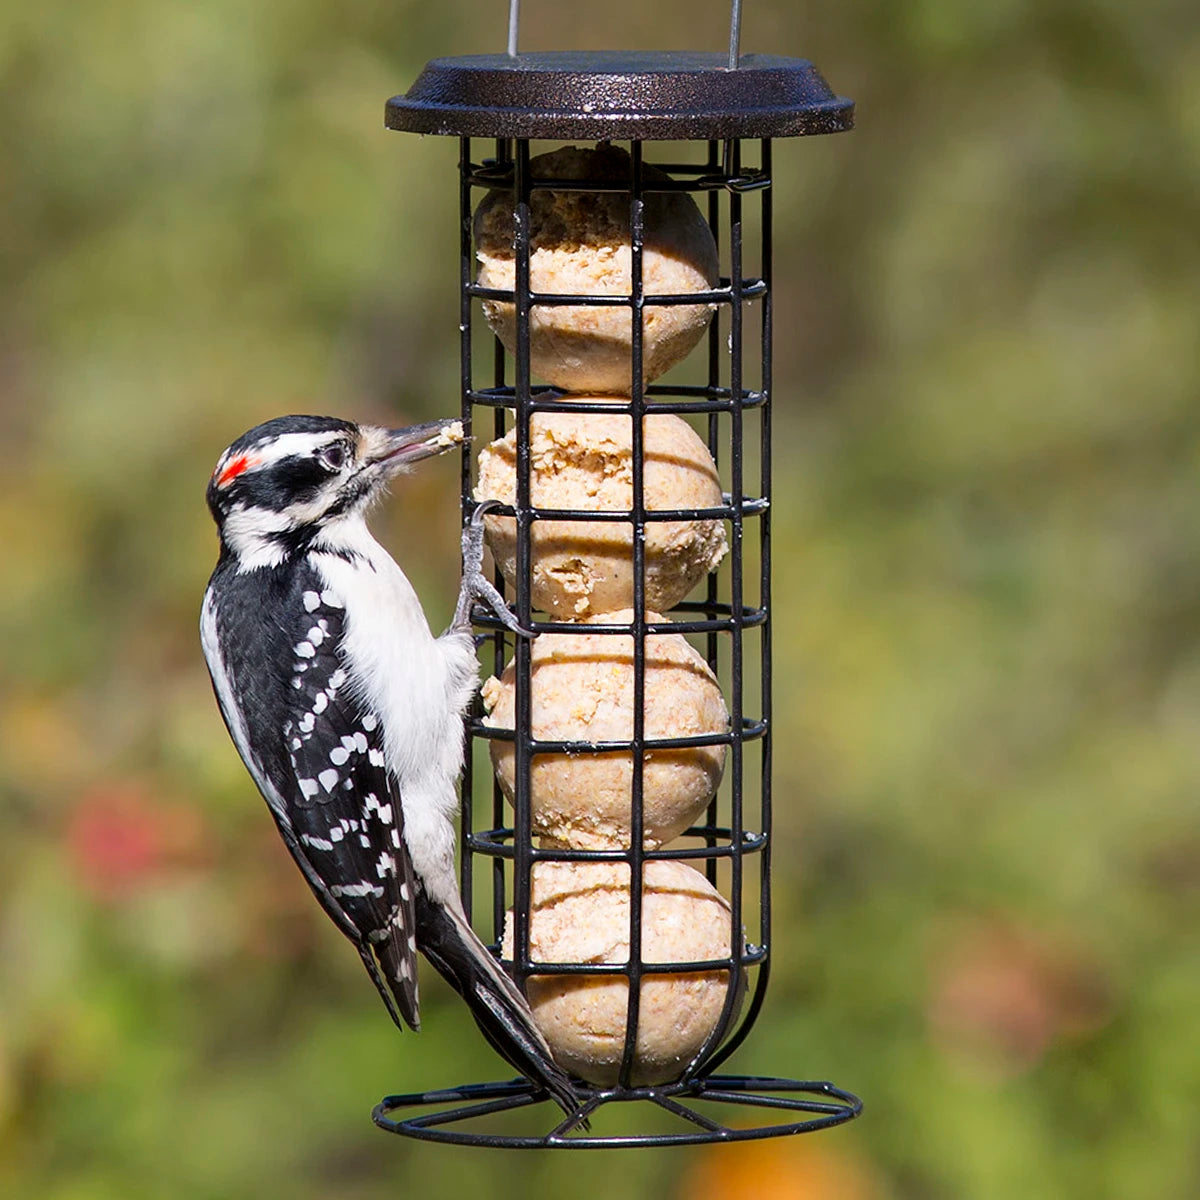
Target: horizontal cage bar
757 1093
750 731
501 175
707 400
497 843
750 506
745 618
637 970
724 293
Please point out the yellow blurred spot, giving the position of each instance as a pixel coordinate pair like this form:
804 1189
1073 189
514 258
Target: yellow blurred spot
798 1168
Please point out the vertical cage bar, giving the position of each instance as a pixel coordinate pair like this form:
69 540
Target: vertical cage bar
523 831
750 1015
703 1060
503 155
637 410
711 641
764 533
733 154
465 259
499 867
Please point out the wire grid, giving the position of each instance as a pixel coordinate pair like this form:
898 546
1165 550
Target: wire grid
513 846
730 608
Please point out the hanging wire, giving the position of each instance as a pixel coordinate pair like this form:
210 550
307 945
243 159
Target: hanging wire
514 25
735 30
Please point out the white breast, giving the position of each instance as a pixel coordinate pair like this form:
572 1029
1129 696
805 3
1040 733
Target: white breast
418 685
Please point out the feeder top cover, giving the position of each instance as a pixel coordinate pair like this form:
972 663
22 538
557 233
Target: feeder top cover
625 95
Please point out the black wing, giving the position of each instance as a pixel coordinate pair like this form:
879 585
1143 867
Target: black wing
272 640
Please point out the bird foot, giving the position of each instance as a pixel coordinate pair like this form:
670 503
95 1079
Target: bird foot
475 585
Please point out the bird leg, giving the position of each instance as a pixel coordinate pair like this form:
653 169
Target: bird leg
475 585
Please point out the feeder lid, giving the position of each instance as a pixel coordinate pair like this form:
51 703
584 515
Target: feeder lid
628 95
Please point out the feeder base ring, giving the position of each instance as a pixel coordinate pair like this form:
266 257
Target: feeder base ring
480 1100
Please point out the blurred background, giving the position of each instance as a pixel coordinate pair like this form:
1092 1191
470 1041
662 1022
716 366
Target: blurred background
989 684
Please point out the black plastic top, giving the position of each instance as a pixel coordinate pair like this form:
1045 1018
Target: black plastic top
627 95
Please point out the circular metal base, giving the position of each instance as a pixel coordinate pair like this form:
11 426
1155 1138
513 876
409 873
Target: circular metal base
630 95
460 1116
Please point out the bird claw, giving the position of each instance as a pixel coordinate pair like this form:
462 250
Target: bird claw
475 585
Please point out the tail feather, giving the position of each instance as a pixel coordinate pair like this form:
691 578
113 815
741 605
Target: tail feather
496 1003
377 979
398 966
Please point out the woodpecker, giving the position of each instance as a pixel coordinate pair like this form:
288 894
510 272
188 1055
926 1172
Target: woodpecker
347 711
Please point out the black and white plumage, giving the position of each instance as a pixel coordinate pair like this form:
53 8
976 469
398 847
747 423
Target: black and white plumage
347 711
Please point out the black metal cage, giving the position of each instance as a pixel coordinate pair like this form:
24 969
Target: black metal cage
727 118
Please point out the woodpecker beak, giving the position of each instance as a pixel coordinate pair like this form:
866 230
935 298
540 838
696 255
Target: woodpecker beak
394 449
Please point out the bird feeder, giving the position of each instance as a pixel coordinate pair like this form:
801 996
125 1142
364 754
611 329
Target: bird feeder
663 915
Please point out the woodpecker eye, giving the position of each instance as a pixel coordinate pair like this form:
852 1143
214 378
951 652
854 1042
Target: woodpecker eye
333 457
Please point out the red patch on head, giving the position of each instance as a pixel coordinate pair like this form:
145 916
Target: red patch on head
235 467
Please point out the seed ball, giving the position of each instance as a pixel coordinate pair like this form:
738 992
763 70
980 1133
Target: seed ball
582 690
581 914
585 461
580 245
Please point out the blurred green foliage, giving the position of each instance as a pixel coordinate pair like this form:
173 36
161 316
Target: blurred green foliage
988 591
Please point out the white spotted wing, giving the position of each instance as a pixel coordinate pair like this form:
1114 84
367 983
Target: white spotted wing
317 756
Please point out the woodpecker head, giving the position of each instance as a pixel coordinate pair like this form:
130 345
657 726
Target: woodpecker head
279 485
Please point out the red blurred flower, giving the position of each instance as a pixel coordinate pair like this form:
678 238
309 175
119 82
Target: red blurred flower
122 838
